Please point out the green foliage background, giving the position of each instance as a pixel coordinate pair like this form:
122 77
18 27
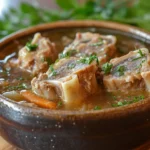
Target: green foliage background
135 12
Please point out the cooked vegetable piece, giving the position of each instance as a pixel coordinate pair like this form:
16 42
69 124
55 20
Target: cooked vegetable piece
41 102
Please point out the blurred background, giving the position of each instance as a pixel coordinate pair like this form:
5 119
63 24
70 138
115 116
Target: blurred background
19 14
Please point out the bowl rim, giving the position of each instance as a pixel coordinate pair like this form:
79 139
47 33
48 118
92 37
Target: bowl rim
104 113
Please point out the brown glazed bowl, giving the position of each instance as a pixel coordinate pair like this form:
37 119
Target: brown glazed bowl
30 128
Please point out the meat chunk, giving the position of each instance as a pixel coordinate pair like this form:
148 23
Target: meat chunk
69 79
129 72
88 43
36 56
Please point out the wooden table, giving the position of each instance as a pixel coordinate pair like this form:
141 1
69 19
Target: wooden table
6 146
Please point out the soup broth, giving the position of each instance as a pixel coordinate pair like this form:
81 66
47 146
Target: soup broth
16 79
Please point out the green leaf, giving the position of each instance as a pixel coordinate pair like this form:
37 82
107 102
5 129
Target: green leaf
67 4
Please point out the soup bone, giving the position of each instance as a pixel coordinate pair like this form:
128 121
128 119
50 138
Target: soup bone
129 72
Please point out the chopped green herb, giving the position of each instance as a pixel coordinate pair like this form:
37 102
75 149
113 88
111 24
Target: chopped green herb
107 68
59 104
31 47
141 53
98 43
140 65
120 70
47 59
97 108
53 72
20 78
114 97
125 102
136 58
71 66
21 86
89 59
67 54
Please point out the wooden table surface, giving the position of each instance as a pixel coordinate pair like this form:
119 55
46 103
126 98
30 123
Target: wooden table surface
6 146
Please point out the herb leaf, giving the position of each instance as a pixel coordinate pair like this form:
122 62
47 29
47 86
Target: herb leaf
67 5
121 70
125 102
53 72
59 104
31 47
71 66
101 42
107 68
67 54
97 108
21 86
47 59
89 59
141 53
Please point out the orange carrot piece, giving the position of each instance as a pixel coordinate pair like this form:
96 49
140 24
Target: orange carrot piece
33 98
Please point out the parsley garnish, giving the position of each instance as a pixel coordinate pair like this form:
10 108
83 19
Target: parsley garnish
71 66
21 86
59 104
47 59
20 78
67 54
120 70
125 102
97 108
98 43
107 67
141 55
53 72
31 47
89 59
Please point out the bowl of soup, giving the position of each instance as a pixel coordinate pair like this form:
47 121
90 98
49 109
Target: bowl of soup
75 85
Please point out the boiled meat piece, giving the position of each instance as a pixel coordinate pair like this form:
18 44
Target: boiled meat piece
69 79
129 72
36 56
89 43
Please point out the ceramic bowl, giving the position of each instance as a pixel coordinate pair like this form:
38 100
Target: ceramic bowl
31 128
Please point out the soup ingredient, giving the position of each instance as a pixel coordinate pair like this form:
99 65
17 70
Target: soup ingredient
67 84
107 68
97 108
67 54
15 95
127 102
128 72
16 87
121 70
39 101
87 44
36 56
31 47
89 59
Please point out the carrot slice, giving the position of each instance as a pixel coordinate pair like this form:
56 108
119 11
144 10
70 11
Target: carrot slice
33 98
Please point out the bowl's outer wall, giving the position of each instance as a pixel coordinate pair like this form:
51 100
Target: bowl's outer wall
122 128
